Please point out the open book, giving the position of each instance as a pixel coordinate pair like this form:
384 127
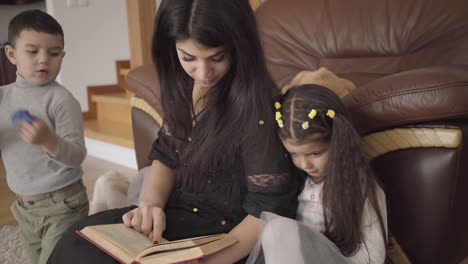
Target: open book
129 246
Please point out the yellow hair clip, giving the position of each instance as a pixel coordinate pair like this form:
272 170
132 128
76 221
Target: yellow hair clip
312 113
278 115
331 113
277 105
305 125
280 123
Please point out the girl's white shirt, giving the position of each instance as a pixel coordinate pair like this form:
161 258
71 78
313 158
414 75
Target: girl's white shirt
310 212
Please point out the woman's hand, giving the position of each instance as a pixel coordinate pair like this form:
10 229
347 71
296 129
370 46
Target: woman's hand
147 219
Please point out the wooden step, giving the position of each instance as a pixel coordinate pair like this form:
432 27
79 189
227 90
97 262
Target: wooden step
113 123
124 72
113 108
111 98
109 112
122 69
113 133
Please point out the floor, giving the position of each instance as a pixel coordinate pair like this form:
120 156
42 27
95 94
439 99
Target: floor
92 168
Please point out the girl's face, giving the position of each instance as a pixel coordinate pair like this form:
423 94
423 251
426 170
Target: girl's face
206 65
309 155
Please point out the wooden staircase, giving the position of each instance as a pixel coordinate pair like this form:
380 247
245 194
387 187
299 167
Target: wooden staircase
109 113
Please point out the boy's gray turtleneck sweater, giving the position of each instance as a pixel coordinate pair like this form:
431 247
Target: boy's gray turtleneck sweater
29 169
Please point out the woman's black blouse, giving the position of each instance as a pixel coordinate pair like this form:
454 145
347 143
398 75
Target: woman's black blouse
266 168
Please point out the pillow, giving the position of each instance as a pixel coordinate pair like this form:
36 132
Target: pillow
115 190
110 191
322 77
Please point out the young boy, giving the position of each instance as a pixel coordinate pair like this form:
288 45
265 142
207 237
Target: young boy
42 154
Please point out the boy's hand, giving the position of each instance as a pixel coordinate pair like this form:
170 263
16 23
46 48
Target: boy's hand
39 133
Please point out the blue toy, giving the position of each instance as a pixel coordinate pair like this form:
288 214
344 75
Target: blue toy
22 115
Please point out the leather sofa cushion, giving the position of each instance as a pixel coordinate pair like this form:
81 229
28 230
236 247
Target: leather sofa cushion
144 82
427 94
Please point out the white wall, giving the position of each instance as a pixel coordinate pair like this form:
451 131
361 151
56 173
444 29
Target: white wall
95 37
7 12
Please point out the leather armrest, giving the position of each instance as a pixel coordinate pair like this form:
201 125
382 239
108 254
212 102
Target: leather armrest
427 94
144 82
145 131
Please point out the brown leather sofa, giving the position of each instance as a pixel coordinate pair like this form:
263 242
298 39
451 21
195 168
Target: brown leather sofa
409 61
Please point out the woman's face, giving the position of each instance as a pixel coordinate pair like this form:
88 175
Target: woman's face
309 155
206 65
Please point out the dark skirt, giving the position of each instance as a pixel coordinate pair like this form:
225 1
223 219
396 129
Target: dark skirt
180 223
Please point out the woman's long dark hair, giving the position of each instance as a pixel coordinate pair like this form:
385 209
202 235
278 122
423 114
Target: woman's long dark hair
234 106
349 180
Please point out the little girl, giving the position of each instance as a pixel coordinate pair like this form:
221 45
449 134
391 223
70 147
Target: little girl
341 216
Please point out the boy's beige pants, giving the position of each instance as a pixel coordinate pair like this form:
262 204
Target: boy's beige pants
43 219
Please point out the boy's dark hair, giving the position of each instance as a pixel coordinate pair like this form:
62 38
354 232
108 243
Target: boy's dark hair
36 20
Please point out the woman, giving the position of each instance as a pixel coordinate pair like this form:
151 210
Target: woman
217 161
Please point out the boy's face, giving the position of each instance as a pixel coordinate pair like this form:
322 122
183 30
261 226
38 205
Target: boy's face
37 56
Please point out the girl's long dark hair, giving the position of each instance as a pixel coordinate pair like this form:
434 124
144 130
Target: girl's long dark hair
349 181
234 106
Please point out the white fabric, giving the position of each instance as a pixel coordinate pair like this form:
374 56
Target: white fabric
310 210
114 190
285 240
110 191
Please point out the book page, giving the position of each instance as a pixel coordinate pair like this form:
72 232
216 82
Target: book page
125 238
180 244
130 246
190 253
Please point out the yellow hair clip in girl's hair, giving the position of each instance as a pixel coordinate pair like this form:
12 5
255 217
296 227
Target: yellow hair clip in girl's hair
278 115
331 113
305 125
280 123
277 105
312 113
